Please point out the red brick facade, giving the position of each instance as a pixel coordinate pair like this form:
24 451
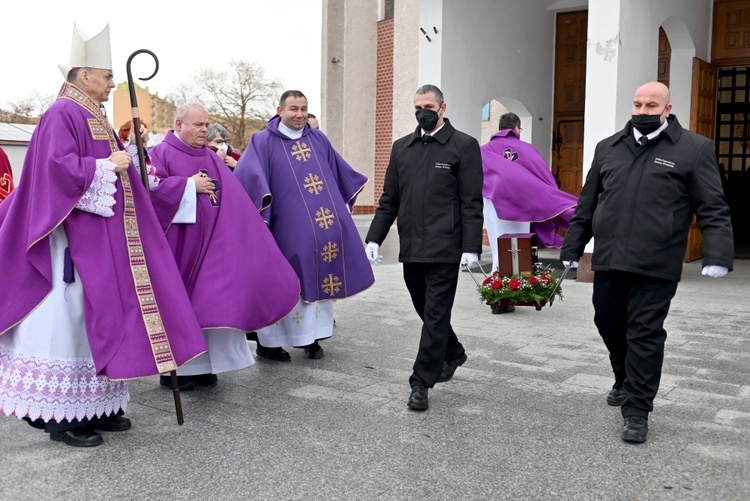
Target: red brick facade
383 109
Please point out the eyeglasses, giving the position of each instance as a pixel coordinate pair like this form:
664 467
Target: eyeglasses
218 140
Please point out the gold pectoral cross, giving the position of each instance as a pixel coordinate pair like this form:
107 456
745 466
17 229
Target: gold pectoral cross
324 218
301 152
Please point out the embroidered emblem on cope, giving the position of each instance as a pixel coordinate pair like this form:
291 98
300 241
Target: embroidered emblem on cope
324 218
510 154
331 284
330 252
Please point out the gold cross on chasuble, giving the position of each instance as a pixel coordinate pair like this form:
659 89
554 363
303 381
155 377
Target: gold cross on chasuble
313 184
324 218
330 252
331 284
300 151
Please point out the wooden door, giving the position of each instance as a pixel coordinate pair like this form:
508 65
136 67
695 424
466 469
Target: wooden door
702 118
570 99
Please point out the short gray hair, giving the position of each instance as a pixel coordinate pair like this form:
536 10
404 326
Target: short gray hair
427 88
219 129
182 111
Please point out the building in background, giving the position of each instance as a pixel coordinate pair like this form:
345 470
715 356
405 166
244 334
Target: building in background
157 112
568 68
14 139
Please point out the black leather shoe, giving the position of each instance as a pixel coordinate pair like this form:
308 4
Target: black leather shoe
449 368
499 310
276 354
80 437
635 429
111 423
36 423
314 350
616 396
182 384
418 398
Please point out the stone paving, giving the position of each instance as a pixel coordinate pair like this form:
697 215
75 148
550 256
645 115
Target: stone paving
524 418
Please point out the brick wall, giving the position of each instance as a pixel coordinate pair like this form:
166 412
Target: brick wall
383 109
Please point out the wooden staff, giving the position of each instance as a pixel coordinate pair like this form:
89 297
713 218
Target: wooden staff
144 177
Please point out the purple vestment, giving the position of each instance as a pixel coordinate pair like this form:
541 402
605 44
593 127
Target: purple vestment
138 318
305 190
235 275
522 188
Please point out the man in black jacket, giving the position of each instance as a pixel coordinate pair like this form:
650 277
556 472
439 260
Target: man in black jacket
644 186
433 184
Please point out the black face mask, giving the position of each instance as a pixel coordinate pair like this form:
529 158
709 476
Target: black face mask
427 119
646 124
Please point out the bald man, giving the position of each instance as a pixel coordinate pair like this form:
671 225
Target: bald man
644 186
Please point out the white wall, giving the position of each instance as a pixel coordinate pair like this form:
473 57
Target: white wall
16 155
494 49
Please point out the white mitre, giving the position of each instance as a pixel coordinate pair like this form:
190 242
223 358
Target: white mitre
88 52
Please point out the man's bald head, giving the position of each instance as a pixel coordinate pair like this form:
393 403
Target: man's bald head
652 98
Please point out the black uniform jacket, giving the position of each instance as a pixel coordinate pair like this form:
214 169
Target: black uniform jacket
435 191
638 204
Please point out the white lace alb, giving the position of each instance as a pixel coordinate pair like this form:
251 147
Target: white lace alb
99 198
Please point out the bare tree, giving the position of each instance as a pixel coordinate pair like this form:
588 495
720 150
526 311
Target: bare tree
43 101
239 97
23 109
184 93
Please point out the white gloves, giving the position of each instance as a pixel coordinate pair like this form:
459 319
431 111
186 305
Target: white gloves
469 259
372 253
572 264
715 271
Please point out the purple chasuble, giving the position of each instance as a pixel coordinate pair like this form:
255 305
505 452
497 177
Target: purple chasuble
139 321
234 272
522 188
305 190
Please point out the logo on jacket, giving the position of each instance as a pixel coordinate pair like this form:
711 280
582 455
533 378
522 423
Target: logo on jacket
510 154
666 163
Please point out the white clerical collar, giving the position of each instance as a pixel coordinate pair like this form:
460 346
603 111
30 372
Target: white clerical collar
432 133
290 133
637 134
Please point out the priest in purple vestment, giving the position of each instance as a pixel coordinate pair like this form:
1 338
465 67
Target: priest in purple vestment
305 192
521 187
237 278
92 296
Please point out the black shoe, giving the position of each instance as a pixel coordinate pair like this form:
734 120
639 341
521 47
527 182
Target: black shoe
111 423
80 437
449 368
616 396
418 398
314 351
37 423
635 429
183 384
275 354
499 310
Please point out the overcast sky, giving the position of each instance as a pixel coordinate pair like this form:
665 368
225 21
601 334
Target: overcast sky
282 37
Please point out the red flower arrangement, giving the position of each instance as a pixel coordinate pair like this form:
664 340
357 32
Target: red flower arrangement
535 290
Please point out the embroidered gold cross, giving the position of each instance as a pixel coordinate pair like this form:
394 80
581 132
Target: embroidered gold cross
297 317
324 218
330 252
313 184
317 312
331 284
300 151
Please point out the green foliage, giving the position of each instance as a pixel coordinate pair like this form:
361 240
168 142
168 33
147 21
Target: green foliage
518 289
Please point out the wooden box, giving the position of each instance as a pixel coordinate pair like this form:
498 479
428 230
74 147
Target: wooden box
517 252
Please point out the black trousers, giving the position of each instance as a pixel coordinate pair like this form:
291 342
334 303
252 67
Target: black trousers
432 287
629 312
